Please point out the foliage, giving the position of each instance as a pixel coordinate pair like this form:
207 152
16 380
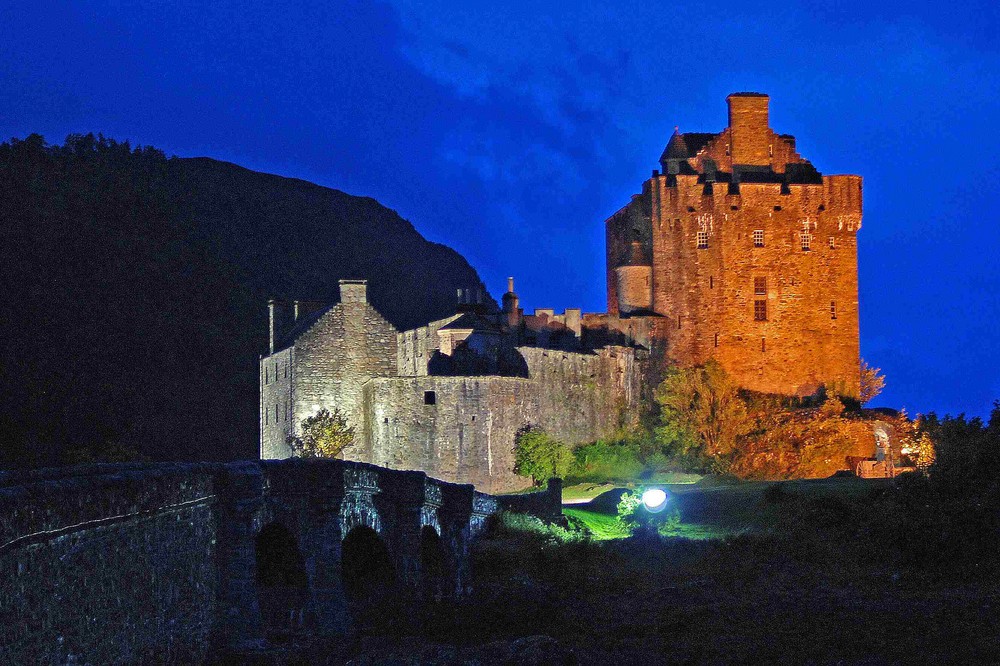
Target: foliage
604 460
324 435
634 517
872 381
704 402
539 456
512 522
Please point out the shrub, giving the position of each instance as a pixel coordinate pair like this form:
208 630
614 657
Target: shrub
603 461
634 517
539 456
324 435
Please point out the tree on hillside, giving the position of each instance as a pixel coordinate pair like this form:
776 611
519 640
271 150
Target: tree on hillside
539 456
872 382
704 401
324 435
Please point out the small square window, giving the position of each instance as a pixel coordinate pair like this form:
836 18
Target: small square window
760 286
758 238
760 310
702 240
430 398
805 239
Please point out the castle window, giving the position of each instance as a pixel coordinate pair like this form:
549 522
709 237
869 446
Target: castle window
678 322
833 309
276 418
805 238
727 149
758 238
850 226
760 286
760 310
267 376
833 243
286 410
716 339
763 346
702 240
286 371
430 398
770 150
266 414
711 282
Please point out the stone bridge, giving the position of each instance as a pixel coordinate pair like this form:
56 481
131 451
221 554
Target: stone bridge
172 563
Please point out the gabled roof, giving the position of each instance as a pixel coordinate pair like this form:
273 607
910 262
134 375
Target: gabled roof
683 146
472 321
287 338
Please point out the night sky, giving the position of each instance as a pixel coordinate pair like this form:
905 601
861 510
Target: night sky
511 131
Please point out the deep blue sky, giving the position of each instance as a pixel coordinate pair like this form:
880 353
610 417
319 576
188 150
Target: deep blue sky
510 131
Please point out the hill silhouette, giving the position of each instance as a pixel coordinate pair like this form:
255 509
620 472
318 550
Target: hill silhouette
135 287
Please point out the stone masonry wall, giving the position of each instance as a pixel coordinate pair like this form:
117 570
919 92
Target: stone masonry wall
347 346
108 567
463 429
810 335
157 563
417 346
276 417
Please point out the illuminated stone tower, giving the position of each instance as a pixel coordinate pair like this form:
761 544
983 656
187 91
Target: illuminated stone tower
750 255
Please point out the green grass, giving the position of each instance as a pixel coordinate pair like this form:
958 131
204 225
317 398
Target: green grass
602 526
713 510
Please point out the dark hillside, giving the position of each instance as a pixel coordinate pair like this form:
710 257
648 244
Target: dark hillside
134 290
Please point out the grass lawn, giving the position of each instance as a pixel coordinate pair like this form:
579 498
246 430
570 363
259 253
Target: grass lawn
709 510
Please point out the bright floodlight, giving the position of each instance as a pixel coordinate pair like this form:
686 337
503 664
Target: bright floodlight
654 499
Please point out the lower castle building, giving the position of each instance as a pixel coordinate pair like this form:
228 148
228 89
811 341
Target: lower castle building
737 250
447 398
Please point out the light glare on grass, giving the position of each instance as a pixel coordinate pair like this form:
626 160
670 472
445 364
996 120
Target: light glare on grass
654 500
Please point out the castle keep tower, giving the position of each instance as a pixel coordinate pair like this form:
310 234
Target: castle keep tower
738 249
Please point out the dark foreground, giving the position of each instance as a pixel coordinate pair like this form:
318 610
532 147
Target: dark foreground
831 574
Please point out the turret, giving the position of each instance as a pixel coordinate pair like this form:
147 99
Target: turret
635 282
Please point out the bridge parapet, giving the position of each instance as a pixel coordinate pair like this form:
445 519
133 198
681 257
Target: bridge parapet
165 562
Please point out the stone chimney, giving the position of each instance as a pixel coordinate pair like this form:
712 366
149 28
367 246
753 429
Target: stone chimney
510 305
748 125
272 320
354 291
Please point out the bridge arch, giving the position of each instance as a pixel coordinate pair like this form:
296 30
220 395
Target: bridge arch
282 581
435 570
369 578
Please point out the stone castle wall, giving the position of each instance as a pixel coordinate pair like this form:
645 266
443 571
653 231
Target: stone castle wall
779 316
464 428
417 346
349 345
276 403
708 295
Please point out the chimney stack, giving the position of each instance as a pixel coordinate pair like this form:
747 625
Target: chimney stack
353 291
272 324
750 135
